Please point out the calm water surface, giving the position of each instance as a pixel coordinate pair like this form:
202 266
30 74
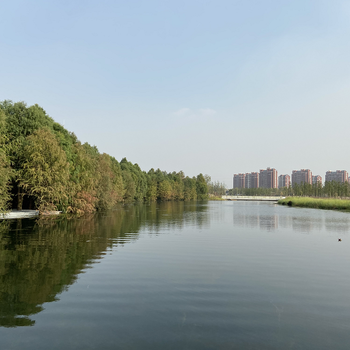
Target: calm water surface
216 275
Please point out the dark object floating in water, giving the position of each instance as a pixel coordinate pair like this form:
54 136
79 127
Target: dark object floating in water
339 239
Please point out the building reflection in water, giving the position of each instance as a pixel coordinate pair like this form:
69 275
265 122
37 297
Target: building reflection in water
254 215
267 216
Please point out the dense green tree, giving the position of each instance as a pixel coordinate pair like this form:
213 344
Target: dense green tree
165 190
45 170
83 180
190 192
201 187
22 121
40 160
151 186
110 189
129 186
139 178
178 186
5 170
118 186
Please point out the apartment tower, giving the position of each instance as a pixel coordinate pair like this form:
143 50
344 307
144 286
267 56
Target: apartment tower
301 176
268 178
283 181
338 176
252 180
239 181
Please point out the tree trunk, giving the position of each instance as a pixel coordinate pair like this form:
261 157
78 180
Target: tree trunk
20 199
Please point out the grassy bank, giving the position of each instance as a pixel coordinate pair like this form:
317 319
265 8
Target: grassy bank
318 203
215 198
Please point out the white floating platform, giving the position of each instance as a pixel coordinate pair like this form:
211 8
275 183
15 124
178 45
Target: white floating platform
20 214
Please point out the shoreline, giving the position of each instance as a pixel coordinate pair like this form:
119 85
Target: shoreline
317 203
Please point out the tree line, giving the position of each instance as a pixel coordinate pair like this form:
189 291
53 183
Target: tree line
44 166
329 189
215 188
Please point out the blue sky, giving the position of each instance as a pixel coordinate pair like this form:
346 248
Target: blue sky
217 87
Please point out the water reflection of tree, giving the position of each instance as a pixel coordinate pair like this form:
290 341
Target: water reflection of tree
40 259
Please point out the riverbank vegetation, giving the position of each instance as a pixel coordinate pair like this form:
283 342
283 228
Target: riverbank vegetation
330 189
318 203
215 198
44 166
215 188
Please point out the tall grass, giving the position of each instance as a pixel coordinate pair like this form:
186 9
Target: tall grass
318 203
215 198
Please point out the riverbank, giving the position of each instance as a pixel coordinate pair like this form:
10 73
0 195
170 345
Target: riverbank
215 198
317 203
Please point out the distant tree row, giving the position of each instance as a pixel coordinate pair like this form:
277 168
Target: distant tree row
44 166
329 189
254 191
215 188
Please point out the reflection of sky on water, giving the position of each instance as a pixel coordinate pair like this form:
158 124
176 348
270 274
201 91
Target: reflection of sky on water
225 270
254 215
268 216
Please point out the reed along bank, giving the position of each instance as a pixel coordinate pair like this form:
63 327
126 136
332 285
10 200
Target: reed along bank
317 203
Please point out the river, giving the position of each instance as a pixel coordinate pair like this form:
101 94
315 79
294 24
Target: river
211 275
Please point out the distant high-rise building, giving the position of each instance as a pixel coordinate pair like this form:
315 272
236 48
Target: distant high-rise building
301 176
317 179
338 176
252 180
239 181
268 178
283 181
247 180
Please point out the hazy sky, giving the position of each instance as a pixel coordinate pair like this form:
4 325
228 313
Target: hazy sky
217 87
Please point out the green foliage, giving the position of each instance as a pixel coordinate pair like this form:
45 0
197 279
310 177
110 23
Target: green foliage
129 186
82 184
215 189
190 192
41 159
151 186
201 187
45 171
165 190
319 203
254 192
22 121
5 170
330 189
109 186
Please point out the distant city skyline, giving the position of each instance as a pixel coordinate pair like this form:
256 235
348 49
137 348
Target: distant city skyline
268 178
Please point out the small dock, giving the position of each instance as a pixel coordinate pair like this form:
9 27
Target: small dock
253 198
20 214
